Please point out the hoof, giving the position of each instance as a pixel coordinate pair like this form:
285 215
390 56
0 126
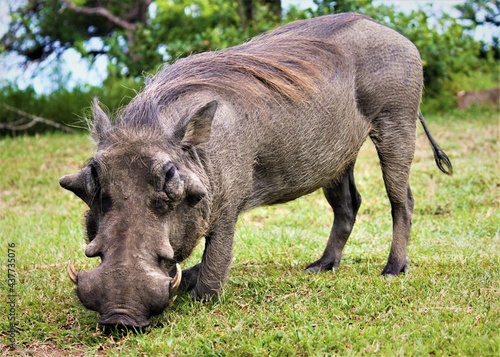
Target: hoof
319 266
395 270
313 269
204 295
189 278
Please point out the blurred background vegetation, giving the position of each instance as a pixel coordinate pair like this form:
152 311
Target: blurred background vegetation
137 36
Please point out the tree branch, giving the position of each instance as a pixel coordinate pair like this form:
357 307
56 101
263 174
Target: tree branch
34 119
139 12
101 11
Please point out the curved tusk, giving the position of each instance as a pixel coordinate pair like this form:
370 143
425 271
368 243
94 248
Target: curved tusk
171 300
176 280
174 284
73 274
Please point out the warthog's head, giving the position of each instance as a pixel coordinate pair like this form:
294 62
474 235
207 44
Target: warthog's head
146 213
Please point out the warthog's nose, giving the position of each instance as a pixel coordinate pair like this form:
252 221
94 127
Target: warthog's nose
114 321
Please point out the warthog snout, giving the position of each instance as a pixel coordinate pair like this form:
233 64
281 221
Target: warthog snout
131 305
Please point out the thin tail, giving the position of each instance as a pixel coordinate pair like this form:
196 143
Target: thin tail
440 157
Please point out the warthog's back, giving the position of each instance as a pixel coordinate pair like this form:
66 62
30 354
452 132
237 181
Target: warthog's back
387 63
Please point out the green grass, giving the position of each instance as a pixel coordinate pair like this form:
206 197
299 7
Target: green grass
448 305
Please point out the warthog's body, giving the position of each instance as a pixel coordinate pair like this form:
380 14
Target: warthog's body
222 132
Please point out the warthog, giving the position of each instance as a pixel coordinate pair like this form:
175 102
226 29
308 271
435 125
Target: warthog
222 132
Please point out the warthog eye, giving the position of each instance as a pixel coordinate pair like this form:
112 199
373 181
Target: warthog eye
174 185
170 172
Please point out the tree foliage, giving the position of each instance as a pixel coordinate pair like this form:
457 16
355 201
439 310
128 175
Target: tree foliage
187 26
480 12
41 28
483 13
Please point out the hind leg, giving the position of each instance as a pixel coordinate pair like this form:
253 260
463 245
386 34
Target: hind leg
345 201
398 261
395 143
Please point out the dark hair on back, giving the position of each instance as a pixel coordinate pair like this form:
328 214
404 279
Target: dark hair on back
267 67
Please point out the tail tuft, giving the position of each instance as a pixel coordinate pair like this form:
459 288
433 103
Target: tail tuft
442 160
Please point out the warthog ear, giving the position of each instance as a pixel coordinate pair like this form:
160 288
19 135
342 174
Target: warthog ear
196 129
80 184
101 122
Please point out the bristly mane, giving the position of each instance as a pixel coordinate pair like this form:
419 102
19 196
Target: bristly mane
267 67
282 66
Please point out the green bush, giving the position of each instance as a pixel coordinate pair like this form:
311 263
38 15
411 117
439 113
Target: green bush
63 106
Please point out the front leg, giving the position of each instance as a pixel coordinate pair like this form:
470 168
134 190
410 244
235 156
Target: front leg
216 259
189 278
